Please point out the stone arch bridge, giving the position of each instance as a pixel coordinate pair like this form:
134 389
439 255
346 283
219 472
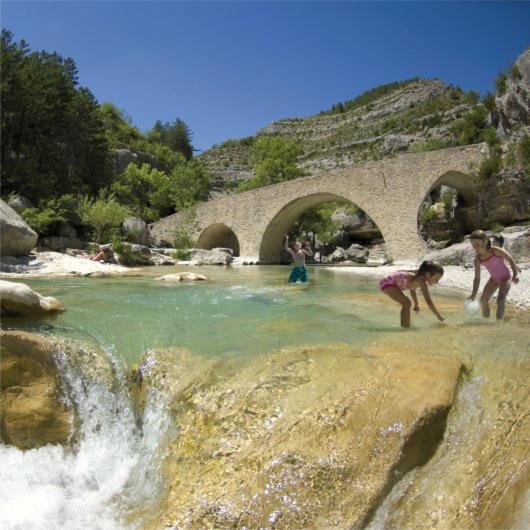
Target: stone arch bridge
390 191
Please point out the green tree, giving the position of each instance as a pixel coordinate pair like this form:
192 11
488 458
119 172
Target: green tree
274 160
104 214
177 136
190 183
52 135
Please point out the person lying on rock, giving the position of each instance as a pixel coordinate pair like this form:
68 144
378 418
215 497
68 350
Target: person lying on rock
299 272
104 255
494 259
429 273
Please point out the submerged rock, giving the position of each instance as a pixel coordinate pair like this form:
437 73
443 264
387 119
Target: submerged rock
300 438
216 256
20 299
182 276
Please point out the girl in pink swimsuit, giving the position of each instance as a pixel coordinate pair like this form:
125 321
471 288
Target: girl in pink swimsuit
494 259
429 273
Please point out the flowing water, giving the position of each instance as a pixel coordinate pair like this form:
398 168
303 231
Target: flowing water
246 312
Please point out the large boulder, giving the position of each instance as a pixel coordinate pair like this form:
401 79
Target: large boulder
33 411
19 299
17 237
357 253
210 257
299 438
136 229
457 254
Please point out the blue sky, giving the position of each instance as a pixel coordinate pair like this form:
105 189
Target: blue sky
230 68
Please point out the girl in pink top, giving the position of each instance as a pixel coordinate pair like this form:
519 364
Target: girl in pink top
494 259
429 273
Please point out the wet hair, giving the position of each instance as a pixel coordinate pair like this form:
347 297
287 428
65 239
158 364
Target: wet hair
429 267
481 236
498 240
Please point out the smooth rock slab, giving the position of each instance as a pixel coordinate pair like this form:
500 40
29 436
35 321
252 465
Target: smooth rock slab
182 277
299 438
20 299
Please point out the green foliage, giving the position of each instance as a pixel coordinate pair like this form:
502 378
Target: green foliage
524 151
104 214
500 84
151 194
469 130
427 214
318 221
472 97
515 73
447 197
125 254
274 161
183 235
119 131
433 144
53 139
51 213
176 136
489 102
368 97
489 168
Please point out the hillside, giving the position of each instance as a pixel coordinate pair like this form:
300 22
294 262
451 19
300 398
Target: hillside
412 115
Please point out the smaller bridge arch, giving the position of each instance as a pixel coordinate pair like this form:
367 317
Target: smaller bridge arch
218 235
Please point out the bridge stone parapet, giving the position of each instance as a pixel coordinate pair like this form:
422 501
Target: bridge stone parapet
390 191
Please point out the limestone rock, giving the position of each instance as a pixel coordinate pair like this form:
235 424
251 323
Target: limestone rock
182 277
60 243
32 413
210 257
19 203
17 237
457 254
19 299
357 253
136 228
300 438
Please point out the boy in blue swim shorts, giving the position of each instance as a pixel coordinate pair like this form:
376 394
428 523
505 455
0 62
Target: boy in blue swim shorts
299 272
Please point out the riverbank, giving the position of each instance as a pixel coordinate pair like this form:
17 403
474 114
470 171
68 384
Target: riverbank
53 264
458 280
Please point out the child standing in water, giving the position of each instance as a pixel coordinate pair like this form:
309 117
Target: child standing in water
429 273
298 254
494 259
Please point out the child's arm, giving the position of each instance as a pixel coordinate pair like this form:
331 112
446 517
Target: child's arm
416 307
427 296
307 252
476 280
503 254
286 244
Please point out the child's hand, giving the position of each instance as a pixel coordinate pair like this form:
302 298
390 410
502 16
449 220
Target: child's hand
441 319
515 279
471 297
416 308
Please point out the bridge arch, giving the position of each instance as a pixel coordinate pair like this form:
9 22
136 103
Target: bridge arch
218 235
273 236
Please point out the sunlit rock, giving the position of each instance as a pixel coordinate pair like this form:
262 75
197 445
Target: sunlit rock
19 299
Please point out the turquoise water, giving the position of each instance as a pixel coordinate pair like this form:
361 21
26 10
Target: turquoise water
238 311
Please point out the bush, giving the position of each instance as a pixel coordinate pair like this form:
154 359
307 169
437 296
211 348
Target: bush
104 215
489 102
183 235
125 254
515 73
490 167
427 214
47 219
500 84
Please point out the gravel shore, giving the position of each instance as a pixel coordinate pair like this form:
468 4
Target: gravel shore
457 279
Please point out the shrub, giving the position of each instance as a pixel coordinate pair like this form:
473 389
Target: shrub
489 168
500 84
489 102
427 214
104 214
47 219
515 73
125 254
